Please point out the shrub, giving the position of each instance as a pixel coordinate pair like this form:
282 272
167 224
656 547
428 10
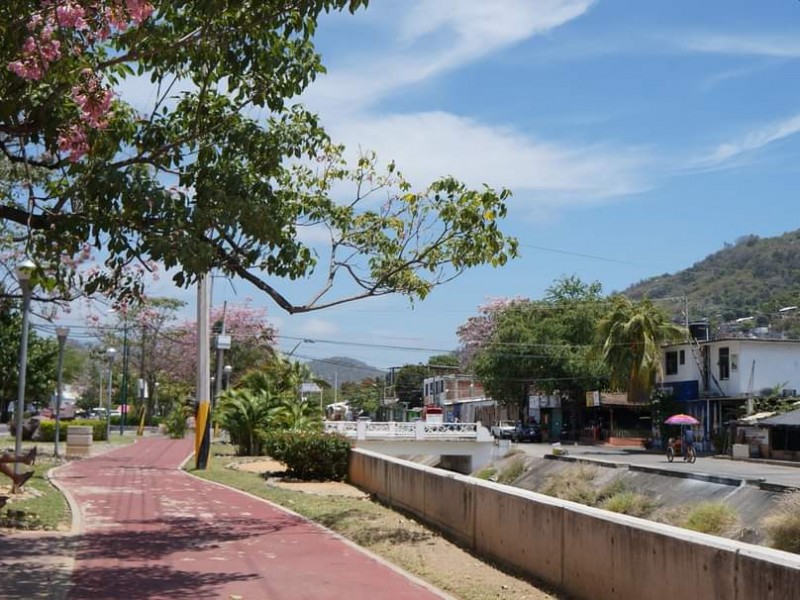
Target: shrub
716 518
47 429
612 489
629 503
486 473
512 471
783 525
574 485
175 423
309 455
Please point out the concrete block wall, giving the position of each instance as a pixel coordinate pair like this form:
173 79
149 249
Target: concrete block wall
583 551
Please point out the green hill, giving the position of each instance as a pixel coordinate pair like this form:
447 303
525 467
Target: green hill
342 369
751 277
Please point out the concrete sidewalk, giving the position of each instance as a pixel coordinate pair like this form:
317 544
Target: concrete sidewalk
145 529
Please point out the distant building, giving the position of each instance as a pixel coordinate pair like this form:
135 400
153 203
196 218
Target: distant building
716 378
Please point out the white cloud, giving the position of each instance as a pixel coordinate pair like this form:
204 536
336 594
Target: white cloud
744 45
437 36
314 327
750 142
432 144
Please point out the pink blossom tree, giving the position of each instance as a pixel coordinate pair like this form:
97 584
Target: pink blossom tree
191 179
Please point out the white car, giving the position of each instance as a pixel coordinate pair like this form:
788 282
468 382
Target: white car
503 430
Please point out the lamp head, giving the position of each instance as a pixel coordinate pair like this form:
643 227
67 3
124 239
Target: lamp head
62 332
227 369
25 270
110 354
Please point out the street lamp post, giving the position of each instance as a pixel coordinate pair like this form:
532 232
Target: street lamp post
110 354
24 271
226 371
61 334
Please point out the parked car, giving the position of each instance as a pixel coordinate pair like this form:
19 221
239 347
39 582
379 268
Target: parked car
503 430
526 433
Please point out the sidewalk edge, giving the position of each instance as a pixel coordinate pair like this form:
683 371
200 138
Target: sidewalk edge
379 559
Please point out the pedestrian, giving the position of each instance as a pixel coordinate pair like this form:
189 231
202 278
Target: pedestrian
688 441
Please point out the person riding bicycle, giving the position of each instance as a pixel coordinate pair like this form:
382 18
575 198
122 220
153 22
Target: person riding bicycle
688 441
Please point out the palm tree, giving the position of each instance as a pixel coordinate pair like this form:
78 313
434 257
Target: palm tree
296 415
630 336
245 413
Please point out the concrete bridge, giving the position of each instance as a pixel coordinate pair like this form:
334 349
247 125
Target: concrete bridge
463 447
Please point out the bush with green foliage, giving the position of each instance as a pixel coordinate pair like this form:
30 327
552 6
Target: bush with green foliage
47 429
486 473
716 518
512 471
575 484
629 503
309 455
783 525
175 423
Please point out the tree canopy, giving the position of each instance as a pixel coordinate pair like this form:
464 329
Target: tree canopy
630 336
545 343
219 170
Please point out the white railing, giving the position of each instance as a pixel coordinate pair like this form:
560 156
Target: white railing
417 430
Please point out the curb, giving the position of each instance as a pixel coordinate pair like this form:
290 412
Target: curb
759 482
380 560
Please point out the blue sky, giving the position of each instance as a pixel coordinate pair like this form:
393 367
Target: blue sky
645 134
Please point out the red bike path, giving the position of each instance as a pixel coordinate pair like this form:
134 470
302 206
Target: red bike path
146 529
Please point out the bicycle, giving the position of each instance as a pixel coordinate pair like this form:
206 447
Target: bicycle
689 456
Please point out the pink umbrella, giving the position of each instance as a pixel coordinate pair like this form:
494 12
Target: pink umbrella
682 419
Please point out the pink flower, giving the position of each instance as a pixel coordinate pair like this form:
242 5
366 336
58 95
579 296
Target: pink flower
73 141
71 15
93 100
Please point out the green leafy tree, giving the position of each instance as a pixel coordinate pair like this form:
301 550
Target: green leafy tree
363 396
444 363
219 171
408 382
630 336
546 344
40 375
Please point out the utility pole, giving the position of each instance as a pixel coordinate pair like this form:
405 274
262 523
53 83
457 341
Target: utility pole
202 442
123 396
686 315
222 342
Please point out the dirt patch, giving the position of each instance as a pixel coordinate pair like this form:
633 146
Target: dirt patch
274 472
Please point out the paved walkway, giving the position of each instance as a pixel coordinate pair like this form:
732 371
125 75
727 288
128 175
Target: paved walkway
148 530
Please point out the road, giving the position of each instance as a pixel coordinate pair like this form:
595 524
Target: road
771 473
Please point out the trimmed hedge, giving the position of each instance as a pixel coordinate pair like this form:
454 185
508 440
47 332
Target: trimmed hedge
310 455
47 429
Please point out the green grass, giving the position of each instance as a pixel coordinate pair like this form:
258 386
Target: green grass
512 471
486 473
629 503
575 484
46 510
783 524
716 518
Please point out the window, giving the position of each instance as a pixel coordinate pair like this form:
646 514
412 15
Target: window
672 362
724 363
682 358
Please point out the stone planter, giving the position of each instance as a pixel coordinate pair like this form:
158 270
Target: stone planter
79 440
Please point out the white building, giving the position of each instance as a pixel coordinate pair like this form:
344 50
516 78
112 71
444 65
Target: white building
717 377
